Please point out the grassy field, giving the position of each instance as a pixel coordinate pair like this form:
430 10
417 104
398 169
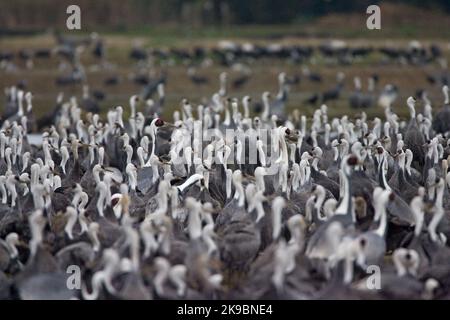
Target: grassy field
41 79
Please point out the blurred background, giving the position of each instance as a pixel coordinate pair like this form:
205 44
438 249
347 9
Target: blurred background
205 18
216 17
188 44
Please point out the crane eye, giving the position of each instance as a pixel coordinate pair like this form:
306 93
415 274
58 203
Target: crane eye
114 202
363 242
159 122
352 161
288 131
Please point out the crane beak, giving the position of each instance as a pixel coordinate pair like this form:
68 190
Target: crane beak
303 224
83 145
428 207
434 184
164 161
22 244
393 155
169 125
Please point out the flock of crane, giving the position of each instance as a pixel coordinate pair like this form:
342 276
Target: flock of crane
226 200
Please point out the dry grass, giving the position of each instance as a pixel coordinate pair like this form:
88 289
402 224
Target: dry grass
41 79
